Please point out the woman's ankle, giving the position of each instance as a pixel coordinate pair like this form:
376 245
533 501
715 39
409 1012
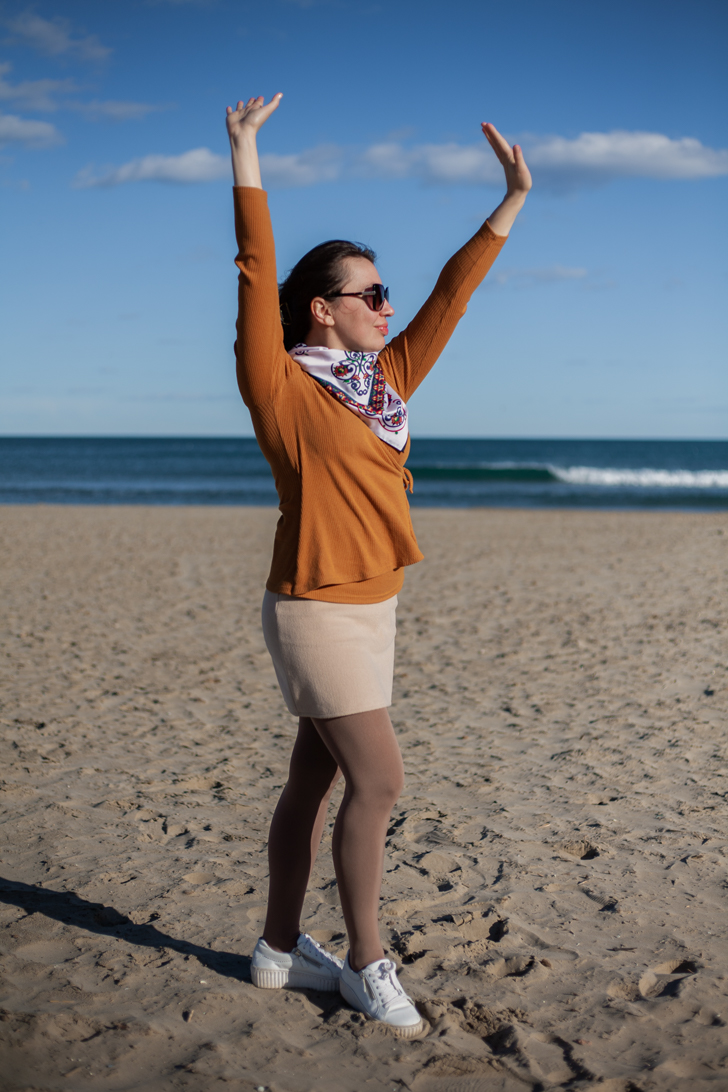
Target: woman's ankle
361 958
281 942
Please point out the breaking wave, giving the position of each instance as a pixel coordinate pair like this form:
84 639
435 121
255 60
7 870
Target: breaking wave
642 478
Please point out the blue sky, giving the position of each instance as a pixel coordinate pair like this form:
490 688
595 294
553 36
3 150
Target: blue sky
604 315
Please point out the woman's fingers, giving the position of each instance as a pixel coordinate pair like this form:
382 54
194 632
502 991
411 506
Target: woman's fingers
264 112
499 144
496 141
253 112
522 172
518 176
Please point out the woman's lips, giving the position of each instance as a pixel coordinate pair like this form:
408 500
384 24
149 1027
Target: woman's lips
383 330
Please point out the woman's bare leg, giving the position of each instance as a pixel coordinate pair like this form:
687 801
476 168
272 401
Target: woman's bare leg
365 749
295 834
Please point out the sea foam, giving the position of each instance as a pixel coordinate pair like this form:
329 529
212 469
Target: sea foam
643 478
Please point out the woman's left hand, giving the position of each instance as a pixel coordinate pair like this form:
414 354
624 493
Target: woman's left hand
518 176
518 180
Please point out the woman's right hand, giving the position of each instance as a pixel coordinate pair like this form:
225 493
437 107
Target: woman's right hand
247 117
243 124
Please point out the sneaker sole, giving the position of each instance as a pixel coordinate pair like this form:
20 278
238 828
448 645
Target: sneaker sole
266 979
405 1033
408 1032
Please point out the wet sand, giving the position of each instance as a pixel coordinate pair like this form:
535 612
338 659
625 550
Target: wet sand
555 886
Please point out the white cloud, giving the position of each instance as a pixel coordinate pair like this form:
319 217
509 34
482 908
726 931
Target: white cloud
627 155
33 94
198 165
591 157
431 163
54 38
202 165
114 110
33 134
528 278
557 163
43 96
178 396
302 168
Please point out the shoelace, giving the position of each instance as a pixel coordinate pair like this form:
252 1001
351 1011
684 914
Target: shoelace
320 954
385 982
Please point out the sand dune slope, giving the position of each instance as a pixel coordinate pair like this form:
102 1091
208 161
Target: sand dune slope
556 870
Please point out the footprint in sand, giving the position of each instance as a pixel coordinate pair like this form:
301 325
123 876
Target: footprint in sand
585 851
534 1057
436 864
606 903
666 979
514 966
49 952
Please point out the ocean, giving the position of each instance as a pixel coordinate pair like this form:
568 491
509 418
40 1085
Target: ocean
457 473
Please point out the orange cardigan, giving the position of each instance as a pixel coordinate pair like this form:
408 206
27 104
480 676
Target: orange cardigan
345 531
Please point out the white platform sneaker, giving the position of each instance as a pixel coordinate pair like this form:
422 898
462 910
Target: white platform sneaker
376 991
307 965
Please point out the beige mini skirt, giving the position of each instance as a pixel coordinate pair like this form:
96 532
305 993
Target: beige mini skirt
331 659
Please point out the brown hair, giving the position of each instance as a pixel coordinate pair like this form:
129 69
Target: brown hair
321 272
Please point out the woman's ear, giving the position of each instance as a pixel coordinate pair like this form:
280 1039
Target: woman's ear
322 312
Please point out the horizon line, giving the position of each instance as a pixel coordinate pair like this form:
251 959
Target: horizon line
192 436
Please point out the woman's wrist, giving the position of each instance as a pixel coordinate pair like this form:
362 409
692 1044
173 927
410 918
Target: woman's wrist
244 140
244 152
501 220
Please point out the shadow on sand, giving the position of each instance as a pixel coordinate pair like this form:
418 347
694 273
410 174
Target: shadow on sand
94 917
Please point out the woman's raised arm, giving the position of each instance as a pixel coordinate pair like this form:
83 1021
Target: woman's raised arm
261 357
409 356
243 124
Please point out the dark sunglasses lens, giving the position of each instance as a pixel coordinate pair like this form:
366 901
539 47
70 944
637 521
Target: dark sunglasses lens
380 295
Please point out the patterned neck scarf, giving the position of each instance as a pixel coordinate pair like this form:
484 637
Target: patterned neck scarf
358 382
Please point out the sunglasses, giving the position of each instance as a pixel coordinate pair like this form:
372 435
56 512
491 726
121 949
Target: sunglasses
374 296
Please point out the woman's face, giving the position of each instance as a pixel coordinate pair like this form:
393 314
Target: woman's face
348 322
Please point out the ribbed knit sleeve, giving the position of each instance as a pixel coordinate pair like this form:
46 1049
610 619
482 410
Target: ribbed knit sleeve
410 356
262 361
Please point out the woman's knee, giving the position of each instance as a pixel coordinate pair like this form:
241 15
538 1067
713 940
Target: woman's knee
380 791
395 790
311 782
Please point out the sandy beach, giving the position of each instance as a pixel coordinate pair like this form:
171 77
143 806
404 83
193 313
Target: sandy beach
555 886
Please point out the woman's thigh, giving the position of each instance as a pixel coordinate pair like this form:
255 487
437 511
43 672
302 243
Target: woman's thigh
312 763
365 748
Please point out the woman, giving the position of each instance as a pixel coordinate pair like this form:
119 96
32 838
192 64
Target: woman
328 403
